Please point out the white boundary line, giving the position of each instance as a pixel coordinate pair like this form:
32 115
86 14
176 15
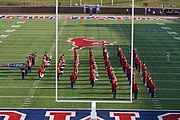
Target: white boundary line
17 87
53 97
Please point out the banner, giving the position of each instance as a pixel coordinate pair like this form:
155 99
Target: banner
39 17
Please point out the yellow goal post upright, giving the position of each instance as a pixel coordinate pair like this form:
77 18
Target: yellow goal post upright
91 101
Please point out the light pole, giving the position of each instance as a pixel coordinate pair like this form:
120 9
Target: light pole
80 2
70 3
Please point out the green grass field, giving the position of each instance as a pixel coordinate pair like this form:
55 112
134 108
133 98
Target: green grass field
39 36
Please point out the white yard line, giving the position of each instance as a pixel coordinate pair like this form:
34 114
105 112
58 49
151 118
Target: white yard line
163 67
168 89
20 22
165 73
161 56
16 26
172 81
165 89
127 41
32 91
176 38
52 97
4 36
30 94
10 31
54 43
21 87
157 104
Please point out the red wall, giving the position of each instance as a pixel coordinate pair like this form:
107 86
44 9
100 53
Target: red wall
51 10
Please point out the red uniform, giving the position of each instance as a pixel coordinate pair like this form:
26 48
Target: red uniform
115 88
40 72
144 75
90 52
72 79
92 79
143 66
91 70
33 59
91 60
139 65
148 80
136 89
153 89
134 51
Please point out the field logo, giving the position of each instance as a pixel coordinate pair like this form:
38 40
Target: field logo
82 42
60 115
12 65
12 115
169 116
125 115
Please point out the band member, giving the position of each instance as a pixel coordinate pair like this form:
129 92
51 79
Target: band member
59 72
33 58
153 89
92 79
72 79
115 88
40 73
144 76
136 89
22 71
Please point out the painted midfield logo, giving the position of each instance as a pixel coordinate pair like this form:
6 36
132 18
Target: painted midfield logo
79 43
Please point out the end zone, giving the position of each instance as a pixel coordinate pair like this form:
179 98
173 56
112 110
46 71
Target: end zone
84 114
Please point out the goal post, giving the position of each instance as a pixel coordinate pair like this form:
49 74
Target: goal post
132 45
57 39
97 101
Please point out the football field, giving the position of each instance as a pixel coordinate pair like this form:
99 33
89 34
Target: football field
152 39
